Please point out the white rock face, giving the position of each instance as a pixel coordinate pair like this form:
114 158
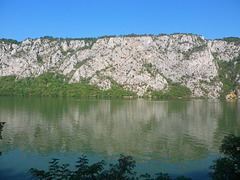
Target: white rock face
138 63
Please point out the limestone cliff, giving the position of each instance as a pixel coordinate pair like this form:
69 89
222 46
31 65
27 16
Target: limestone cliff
139 63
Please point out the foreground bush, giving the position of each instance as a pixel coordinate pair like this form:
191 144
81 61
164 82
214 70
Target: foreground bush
122 170
227 167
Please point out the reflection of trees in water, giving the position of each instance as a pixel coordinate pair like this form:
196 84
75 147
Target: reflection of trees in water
140 128
229 121
1 127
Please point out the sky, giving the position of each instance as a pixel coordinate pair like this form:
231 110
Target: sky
22 19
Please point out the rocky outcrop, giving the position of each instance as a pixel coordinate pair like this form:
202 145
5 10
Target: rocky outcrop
138 63
231 95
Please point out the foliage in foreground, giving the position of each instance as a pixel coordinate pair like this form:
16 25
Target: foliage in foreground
224 168
122 170
1 127
227 168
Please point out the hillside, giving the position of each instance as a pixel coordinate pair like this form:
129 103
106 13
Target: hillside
145 65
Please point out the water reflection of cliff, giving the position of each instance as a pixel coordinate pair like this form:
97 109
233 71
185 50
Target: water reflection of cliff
175 130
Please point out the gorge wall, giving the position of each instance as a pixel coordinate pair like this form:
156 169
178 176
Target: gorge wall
141 64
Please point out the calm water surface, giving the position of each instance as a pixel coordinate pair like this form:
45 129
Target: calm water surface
179 137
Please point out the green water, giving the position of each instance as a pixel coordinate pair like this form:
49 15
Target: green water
179 137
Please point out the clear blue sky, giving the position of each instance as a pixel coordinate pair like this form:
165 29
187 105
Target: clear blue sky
21 19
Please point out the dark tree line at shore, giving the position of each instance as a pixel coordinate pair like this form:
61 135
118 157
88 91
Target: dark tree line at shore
56 85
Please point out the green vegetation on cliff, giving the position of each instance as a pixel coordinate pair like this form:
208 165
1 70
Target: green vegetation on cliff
176 91
9 41
54 85
235 40
228 74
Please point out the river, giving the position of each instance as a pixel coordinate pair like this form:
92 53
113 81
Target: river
178 137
